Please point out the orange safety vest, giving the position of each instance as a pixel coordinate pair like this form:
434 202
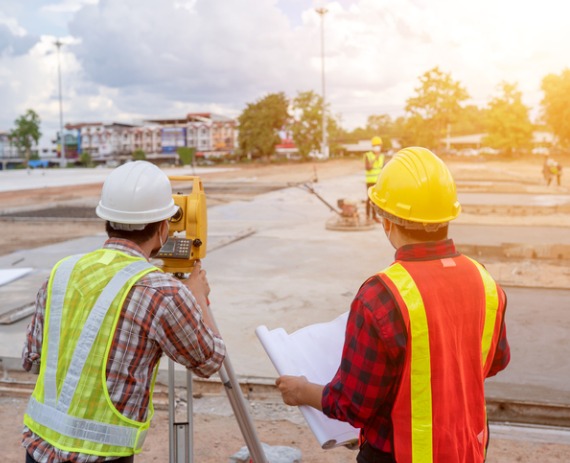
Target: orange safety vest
453 312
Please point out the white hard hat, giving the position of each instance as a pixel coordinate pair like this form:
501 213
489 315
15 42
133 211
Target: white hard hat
136 193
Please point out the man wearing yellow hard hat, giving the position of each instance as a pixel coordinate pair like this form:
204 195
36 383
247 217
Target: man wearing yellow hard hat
422 335
373 162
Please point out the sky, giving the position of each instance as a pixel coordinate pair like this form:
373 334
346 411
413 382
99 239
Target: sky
129 60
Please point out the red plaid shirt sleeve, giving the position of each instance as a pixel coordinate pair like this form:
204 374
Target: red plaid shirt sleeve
364 388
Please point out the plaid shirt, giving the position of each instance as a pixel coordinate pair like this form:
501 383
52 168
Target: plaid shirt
160 315
364 388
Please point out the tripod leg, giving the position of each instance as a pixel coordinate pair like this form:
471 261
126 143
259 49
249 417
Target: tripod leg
233 391
180 434
244 420
171 412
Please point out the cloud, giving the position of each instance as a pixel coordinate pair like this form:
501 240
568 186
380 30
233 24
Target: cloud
133 59
67 6
11 44
195 51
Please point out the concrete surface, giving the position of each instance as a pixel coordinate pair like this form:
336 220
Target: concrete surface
293 272
22 179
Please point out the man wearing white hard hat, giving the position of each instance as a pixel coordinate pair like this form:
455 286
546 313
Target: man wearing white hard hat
103 320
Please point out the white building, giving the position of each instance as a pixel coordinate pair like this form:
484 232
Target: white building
210 134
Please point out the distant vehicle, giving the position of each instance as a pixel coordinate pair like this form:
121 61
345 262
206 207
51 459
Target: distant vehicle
489 151
541 151
468 152
317 155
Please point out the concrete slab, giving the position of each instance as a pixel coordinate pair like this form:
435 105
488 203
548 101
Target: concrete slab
293 272
512 199
482 234
538 323
22 179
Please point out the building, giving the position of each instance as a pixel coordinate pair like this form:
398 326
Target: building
102 141
10 155
8 152
211 135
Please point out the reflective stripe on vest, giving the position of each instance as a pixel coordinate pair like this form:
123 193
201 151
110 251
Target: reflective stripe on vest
420 406
372 174
90 430
53 412
492 299
60 281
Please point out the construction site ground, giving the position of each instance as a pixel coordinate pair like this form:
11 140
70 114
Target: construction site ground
271 261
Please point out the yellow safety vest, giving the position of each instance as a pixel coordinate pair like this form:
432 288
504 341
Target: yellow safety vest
70 407
372 174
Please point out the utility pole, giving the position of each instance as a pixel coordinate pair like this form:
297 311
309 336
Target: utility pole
322 11
58 44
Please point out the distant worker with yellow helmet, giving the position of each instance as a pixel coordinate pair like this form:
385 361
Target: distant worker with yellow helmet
373 162
102 322
422 335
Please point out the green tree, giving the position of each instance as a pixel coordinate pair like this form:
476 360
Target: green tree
469 121
334 134
186 154
260 123
383 126
437 104
556 105
416 131
139 155
26 133
86 159
379 124
508 125
307 124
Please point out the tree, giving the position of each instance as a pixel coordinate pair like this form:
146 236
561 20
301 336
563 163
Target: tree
26 133
469 121
186 155
139 155
436 105
508 125
556 105
86 159
307 124
378 124
260 123
334 134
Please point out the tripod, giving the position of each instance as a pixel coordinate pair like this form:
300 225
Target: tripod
181 433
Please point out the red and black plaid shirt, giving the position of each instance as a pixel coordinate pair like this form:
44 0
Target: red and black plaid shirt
160 316
364 388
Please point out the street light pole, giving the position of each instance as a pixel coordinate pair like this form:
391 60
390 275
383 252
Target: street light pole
322 12
58 44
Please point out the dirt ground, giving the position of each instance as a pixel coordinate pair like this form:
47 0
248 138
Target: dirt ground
216 432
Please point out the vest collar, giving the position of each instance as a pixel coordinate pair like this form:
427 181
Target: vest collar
126 246
427 251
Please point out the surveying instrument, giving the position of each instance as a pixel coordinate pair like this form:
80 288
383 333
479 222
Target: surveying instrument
187 239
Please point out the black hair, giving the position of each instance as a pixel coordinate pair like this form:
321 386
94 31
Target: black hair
136 236
424 235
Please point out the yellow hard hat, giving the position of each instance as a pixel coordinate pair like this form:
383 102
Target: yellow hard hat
376 141
416 186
